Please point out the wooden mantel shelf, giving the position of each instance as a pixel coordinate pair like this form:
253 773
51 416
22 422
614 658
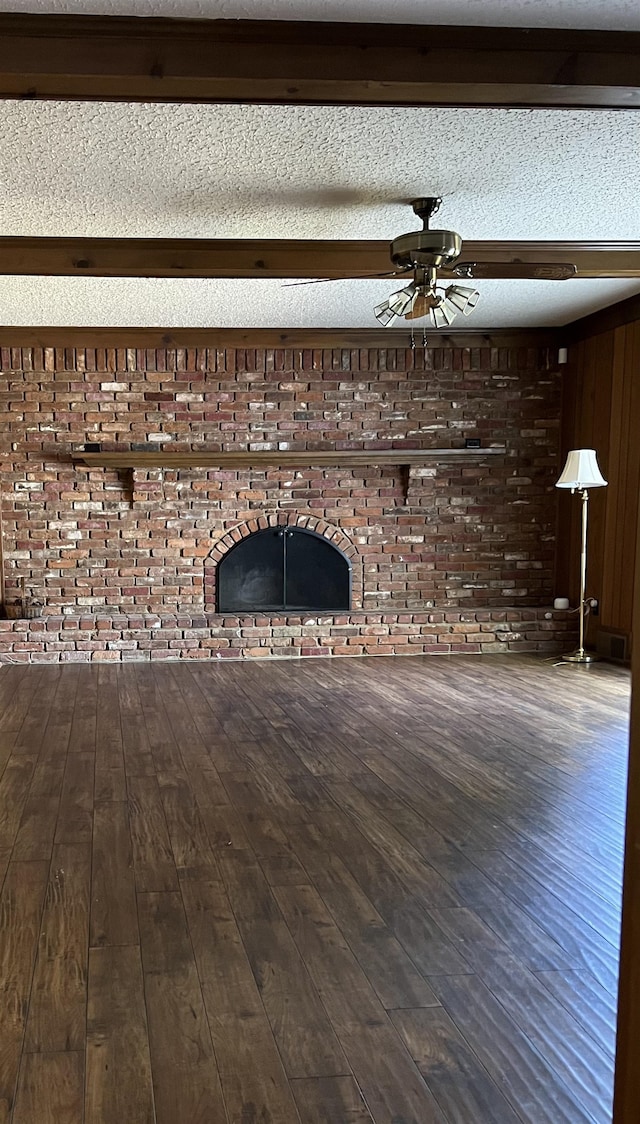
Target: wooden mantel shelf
301 459
405 459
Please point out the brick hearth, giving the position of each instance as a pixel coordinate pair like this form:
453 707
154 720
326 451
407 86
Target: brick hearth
120 638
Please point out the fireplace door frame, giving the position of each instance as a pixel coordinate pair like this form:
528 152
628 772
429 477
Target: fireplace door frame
224 598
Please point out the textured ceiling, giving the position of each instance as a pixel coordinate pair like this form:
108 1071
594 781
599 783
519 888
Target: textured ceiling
315 172
173 302
227 171
614 14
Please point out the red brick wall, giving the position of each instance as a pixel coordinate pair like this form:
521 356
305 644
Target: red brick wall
470 535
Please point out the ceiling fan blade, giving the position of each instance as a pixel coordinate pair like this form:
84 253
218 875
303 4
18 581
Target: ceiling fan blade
536 271
357 277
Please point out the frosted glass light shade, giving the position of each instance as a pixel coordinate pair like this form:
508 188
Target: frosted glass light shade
397 305
581 471
462 298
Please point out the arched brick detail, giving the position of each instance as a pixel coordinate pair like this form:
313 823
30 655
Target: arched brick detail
282 519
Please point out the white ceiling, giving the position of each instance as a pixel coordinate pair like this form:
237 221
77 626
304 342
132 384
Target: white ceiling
313 172
173 302
618 15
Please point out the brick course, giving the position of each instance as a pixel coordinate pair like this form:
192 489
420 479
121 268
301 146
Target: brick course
98 544
74 639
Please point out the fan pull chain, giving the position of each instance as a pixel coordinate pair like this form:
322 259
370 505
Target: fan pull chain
413 337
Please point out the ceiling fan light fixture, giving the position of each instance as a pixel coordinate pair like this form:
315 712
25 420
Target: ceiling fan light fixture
384 315
442 316
404 300
461 298
398 304
423 298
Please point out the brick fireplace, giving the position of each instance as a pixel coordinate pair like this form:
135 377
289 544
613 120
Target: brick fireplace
452 554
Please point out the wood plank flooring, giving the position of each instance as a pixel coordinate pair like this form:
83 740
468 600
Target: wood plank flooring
333 892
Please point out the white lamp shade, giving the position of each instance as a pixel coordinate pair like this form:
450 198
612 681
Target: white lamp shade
581 471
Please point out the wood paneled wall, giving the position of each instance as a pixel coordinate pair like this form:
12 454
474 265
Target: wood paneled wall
601 410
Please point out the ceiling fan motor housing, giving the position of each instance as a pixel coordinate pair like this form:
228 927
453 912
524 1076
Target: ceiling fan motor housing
426 247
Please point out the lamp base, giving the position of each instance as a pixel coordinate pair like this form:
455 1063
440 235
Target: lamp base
580 656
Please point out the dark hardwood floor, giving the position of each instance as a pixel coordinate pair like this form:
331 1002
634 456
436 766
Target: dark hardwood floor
332 892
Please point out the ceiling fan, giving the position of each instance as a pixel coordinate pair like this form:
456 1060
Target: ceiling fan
427 252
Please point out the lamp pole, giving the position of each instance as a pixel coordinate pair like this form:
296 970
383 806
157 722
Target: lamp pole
580 655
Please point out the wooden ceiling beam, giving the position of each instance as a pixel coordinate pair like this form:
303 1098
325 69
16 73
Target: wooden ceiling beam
62 338
268 258
128 59
191 257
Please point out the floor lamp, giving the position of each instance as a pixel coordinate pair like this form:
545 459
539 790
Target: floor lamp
580 473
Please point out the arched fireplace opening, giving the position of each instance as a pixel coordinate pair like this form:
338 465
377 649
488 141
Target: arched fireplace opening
284 569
